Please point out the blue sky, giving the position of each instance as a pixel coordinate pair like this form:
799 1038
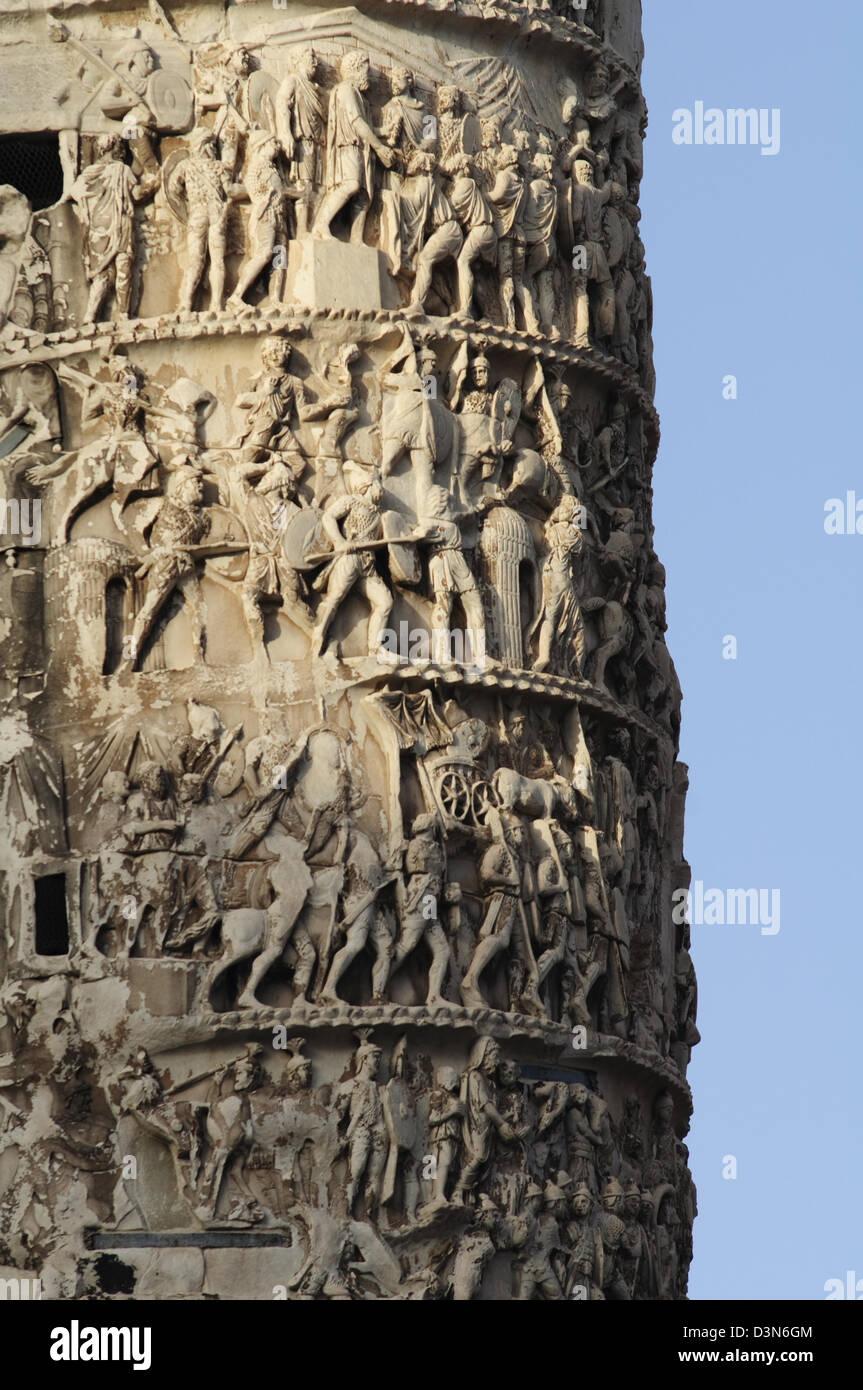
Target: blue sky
755 264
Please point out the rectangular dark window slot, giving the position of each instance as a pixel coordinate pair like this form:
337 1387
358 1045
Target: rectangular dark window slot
52 922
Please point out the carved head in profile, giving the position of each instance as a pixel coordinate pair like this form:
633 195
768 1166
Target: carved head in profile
248 1072
485 1056
110 149
448 101
240 62
401 81
367 1061
555 1195
424 824
186 485
298 1073
202 143
363 482
612 1195
490 133
543 165
356 69
278 483
583 170
137 61
308 64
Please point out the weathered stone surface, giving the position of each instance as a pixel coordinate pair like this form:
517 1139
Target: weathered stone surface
339 795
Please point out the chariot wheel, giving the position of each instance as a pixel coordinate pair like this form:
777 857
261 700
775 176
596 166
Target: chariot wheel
455 796
483 798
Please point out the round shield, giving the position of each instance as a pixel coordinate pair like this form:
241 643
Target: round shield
169 97
303 537
405 567
225 526
176 203
506 407
261 97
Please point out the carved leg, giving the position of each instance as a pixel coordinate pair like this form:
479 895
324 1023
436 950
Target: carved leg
376 591
331 207
580 311
99 287
216 244
357 937
196 254
382 943
123 267
440 963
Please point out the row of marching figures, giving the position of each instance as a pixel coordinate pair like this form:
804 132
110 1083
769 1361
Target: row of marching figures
477 208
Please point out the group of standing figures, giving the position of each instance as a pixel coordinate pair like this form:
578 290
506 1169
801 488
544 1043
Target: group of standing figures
479 209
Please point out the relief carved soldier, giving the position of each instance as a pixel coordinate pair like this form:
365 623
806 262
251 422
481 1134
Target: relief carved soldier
503 874
450 578
474 216
105 195
272 764
482 1119
270 405
585 1265
612 1229
562 627
229 1135
365 922
223 89
124 98
360 1103
267 499
179 528
540 222
587 203
206 183
422 904
351 139
300 128
508 199
403 116
429 219
445 1118
349 521
119 456
267 225
400 1115
535 1272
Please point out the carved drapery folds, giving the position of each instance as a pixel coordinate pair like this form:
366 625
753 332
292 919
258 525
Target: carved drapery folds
338 741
